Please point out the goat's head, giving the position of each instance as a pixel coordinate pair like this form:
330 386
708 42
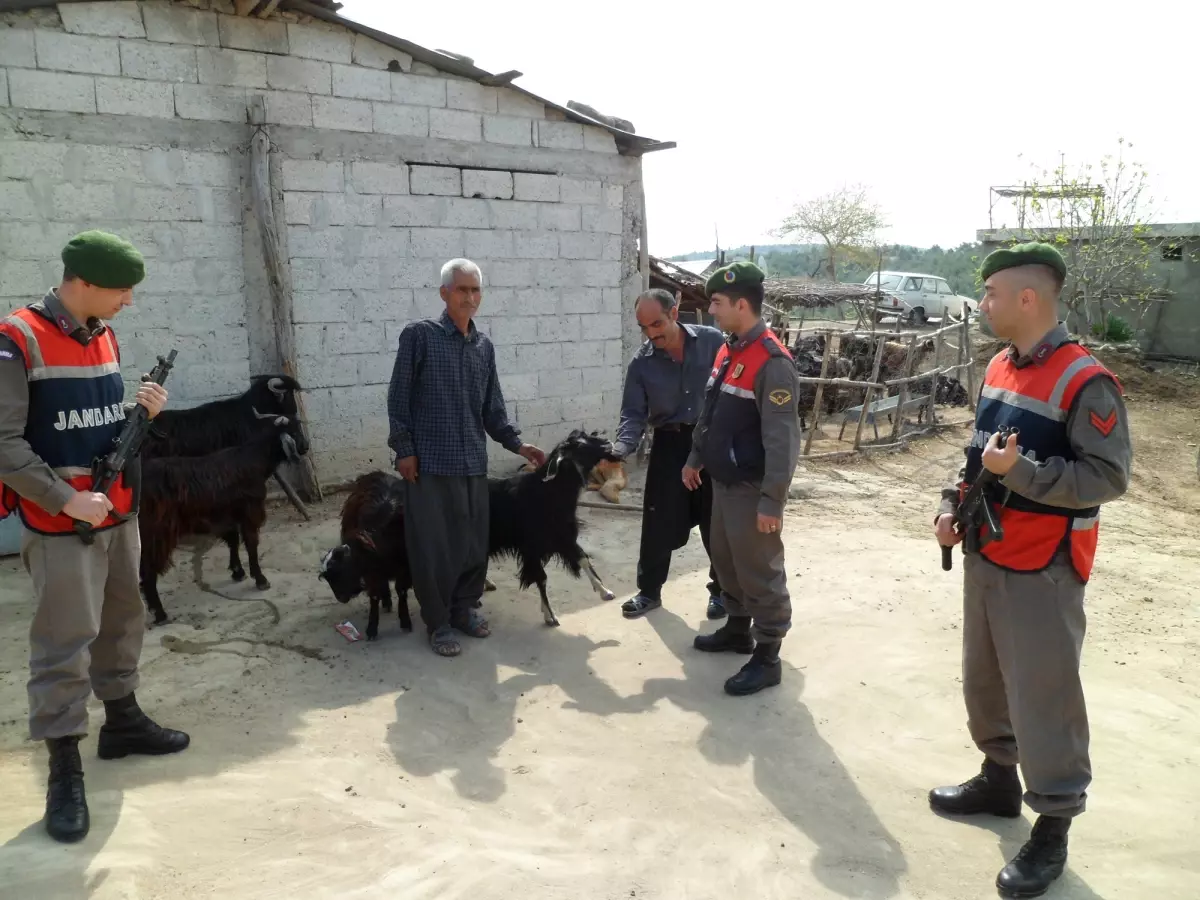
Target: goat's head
581 450
275 394
340 570
291 435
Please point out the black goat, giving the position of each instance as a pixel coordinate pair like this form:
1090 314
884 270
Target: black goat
218 424
210 495
531 518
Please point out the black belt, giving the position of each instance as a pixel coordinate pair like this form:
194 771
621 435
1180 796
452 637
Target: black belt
675 426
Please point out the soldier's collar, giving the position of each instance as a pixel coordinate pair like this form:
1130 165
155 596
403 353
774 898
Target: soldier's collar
53 309
737 342
1043 349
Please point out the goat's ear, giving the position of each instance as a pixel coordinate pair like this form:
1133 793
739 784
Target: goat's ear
280 421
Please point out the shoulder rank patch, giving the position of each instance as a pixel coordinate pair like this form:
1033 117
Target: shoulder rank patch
1105 425
738 369
780 396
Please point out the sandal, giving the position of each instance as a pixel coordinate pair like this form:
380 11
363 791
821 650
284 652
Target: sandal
471 623
443 642
639 605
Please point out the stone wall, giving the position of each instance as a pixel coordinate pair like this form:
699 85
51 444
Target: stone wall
133 117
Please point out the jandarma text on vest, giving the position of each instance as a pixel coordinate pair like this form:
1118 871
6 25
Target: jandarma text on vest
89 418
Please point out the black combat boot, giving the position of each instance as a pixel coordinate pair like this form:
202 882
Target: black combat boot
1039 862
762 671
996 790
66 818
732 637
129 730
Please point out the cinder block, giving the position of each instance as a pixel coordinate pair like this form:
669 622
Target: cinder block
121 19
220 170
393 118
3 87
389 243
518 330
602 219
472 96
305 242
596 273
248 33
436 243
310 340
506 356
558 273
582 353
384 307
306 275
416 274
220 206
584 409
513 103
172 23
379 178
19 240
427 303
24 278
123 97
547 411
612 247
93 162
513 215
601 326
208 241
535 244
338 114
77 53
463 213
489 245
288 108
582 300
518 388
418 90
510 273
309 76
323 210
613 302
558 329
614 196
578 190
341 274
375 368
442 181
319 40
313 175
158 62
235 68
318 306
154 204
418 212
538 302
540 188
17 48
581 245
614 353
559 135
508 130
56 91
360 83
327 371
598 140
487 183
559 217
603 379
374 55
455 125
210 103
28 159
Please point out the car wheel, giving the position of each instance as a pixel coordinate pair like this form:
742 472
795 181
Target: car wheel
917 316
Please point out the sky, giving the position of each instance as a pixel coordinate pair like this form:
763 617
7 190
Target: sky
925 104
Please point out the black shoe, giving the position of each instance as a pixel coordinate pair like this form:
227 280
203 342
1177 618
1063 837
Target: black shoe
716 607
66 818
764 670
129 730
732 637
1039 862
995 790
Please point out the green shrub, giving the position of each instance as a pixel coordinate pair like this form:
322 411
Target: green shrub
1114 329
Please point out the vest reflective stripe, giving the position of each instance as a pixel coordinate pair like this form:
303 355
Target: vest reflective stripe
75 410
736 391
1038 400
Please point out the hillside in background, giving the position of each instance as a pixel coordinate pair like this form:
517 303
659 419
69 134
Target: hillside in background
958 265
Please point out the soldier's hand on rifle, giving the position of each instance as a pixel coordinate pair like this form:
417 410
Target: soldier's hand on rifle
89 507
152 396
944 529
1000 459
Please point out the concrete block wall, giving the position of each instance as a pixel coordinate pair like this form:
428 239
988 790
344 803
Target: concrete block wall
133 116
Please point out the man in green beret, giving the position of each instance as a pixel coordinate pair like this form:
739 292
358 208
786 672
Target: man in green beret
748 440
62 406
1068 452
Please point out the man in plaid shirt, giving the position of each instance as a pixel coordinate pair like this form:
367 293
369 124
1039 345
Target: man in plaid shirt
444 397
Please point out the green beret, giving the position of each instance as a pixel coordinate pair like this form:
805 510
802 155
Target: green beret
104 260
735 275
1023 255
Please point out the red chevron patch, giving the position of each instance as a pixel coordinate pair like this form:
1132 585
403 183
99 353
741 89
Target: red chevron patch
1105 425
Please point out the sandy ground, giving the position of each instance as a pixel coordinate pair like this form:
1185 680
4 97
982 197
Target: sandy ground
601 759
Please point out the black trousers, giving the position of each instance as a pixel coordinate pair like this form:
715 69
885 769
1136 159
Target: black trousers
670 511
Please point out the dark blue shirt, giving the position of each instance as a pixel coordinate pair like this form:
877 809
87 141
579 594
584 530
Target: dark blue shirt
444 396
660 391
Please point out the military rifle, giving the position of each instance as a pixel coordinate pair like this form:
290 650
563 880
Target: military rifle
127 445
976 510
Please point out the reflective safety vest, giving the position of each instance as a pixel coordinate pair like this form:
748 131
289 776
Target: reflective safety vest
732 449
1037 400
75 411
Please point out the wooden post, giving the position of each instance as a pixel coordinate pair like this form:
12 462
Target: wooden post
278 275
909 364
643 238
970 361
862 416
937 364
816 416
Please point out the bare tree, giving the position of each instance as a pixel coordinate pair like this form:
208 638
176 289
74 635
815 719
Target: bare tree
845 220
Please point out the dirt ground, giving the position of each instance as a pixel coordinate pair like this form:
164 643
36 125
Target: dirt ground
602 760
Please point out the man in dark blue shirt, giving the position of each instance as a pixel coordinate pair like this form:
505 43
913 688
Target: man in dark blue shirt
664 389
444 397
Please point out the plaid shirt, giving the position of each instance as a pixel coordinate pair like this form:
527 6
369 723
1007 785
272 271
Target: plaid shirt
445 394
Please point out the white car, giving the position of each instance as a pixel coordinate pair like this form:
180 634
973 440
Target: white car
916 297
